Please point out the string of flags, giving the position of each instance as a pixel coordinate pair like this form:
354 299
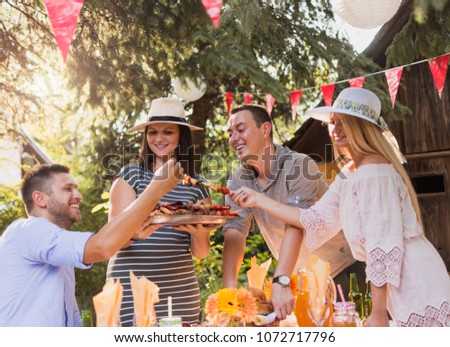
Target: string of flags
213 8
63 15
438 67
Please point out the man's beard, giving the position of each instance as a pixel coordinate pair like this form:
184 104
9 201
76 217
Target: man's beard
61 214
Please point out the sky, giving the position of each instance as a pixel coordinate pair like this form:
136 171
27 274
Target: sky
359 38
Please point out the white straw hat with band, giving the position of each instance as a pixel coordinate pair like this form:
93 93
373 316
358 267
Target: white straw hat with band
361 103
358 102
165 110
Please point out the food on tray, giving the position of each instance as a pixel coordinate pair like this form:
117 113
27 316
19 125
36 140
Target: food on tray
218 189
189 208
263 307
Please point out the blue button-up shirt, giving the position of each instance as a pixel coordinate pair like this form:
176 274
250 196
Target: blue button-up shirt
37 281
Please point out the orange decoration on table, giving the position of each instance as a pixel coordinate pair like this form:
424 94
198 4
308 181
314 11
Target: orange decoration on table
257 273
107 304
230 307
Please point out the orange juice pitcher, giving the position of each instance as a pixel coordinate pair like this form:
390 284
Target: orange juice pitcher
301 304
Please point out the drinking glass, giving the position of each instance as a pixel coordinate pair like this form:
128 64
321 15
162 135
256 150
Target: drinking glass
319 307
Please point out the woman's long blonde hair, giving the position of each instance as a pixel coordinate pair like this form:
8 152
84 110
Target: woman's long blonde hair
367 138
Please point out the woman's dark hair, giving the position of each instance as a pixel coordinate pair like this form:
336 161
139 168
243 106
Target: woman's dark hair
184 153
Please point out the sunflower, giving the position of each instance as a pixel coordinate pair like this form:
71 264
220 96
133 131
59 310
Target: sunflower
211 305
247 305
227 301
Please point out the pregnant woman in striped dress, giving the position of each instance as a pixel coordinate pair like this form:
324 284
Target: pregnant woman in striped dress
165 257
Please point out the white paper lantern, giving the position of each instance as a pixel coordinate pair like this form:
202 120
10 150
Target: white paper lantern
190 91
365 14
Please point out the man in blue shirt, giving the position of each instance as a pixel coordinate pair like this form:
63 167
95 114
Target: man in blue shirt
38 254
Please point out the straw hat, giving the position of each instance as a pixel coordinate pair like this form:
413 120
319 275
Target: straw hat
358 102
165 110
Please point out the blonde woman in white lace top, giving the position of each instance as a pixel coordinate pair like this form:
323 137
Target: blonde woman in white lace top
376 206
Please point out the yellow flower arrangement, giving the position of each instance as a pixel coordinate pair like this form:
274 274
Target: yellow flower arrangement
268 286
230 307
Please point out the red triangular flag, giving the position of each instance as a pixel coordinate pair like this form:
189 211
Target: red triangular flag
270 101
357 82
438 67
327 91
213 8
229 100
295 99
393 77
63 15
248 98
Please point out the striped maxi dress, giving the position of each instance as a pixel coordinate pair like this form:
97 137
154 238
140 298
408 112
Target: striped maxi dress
165 257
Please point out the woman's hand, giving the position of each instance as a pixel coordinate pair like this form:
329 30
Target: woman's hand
245 197
377 320
282 301
196 229
169 175
145 231
379 315
200 243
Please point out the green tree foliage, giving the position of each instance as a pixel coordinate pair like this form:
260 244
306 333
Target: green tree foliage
422 8
419 40
11 206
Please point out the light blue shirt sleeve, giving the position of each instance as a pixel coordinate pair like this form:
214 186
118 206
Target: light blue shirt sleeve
48 243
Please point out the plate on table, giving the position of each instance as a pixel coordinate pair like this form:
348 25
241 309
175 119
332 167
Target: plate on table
190 219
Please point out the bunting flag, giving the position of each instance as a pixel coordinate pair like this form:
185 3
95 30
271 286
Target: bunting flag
295 100
393 77
270 101
63 15
213 8
229 100
438 67
357 82
248 98
327 91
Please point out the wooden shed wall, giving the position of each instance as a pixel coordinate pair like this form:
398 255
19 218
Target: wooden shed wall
424 137
435 207
428 128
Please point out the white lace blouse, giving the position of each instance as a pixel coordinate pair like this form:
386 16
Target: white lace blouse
373 207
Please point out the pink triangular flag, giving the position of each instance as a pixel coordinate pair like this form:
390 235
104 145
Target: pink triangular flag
295 99
213 8
393 77
438 67
327 91
63 15
270 101
229 100
248 98
357 82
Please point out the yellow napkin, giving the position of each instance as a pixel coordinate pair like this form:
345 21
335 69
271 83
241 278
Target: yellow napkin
107 304
145 295
257 273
